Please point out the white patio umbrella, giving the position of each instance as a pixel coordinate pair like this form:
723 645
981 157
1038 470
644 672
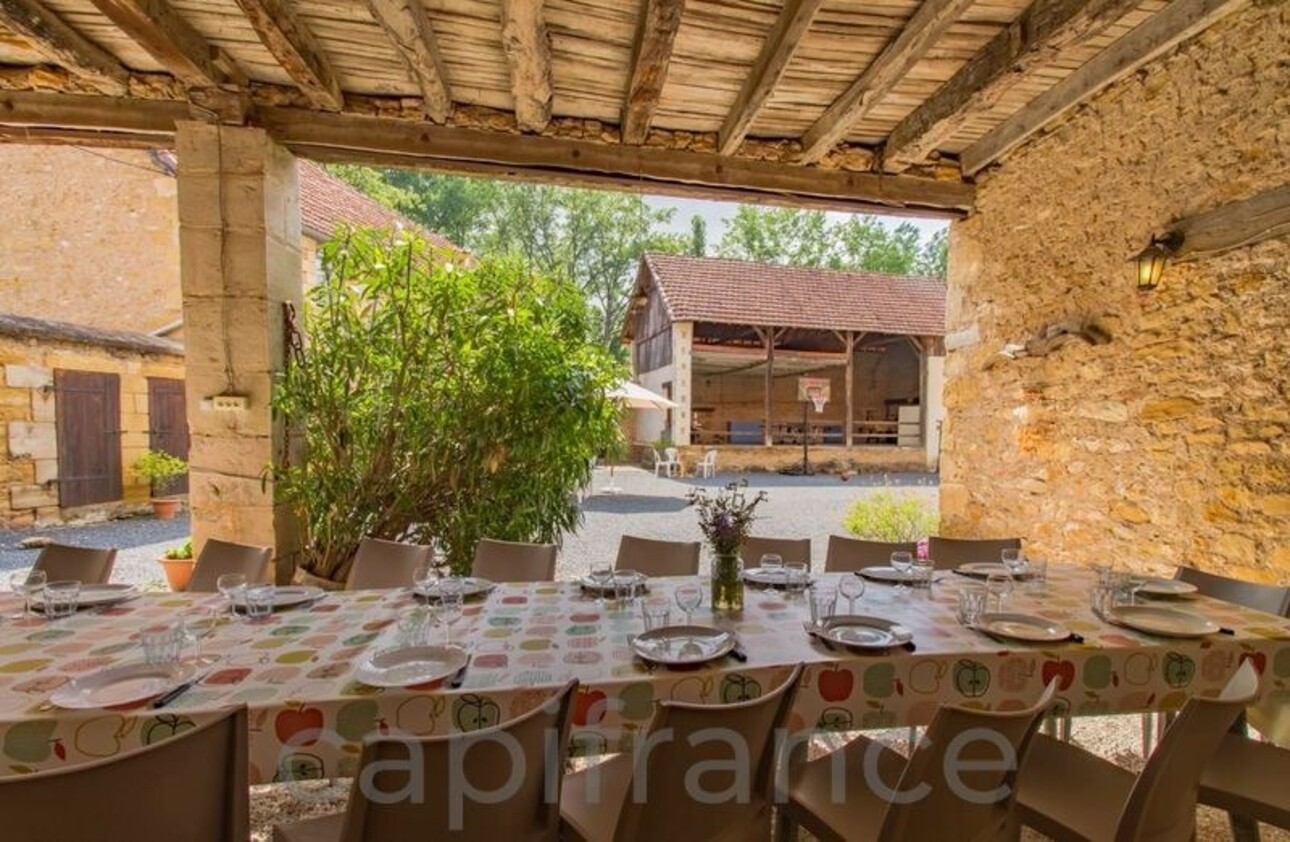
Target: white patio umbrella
631 395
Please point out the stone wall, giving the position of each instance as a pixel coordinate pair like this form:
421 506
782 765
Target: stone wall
1170 444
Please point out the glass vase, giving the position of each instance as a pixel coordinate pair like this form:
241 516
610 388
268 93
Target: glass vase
727 583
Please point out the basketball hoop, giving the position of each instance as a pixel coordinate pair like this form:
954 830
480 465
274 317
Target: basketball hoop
818 399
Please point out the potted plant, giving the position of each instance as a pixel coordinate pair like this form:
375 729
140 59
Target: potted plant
177 563
161 470
725 518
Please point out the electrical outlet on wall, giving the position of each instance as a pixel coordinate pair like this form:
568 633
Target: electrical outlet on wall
228 403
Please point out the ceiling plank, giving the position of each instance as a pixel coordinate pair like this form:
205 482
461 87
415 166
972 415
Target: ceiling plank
59 44
790 27
296 50
651 55
408 27
1033 40
528 51
168 38
1177 22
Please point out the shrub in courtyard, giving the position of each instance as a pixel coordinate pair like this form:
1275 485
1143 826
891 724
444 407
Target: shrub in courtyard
438 399
888 516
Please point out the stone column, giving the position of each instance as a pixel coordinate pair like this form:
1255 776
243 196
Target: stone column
239 243
682 385
932 400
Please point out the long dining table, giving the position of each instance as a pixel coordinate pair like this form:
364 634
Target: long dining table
309 715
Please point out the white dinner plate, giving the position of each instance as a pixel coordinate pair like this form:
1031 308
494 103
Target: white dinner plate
887 574
470 586
985 569
121 685
405 666
856 631
589 584
677 646
1167 622
94 596
1024 627
774 577
1167 587
286 596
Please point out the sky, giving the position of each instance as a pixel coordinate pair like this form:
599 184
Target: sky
717 212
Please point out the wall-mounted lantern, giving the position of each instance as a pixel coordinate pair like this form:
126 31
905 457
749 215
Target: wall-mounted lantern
1151 260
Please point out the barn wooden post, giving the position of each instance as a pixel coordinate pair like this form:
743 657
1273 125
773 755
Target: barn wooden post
770 334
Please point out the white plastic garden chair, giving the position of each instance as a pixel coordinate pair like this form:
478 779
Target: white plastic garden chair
671 462
707 466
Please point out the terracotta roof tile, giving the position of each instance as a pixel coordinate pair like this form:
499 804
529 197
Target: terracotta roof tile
26 327
327 203
705 289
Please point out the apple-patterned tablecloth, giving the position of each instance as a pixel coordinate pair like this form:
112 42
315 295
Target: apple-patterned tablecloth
309 715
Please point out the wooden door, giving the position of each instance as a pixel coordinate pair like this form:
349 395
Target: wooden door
87 405
168 423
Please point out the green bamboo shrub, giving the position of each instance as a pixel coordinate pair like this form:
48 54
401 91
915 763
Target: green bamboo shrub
435 398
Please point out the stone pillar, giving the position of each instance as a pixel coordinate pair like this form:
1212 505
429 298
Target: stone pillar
682 376
239 243
932 380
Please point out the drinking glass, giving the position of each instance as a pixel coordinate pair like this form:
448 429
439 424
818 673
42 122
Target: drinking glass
972 597
1129 584
999 586
163 645
601 576
412 627
27 585
1105 574
1101 599
796 576
902 562
423 577
62 598
773 564
852 587
688 599
656 612
259 602
1038 568
824 602
450 606
231 585
1014 562
923 569
626 583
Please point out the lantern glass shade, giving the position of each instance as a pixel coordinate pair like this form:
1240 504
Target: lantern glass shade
1151 265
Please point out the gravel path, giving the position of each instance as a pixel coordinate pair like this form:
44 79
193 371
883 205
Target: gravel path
139 541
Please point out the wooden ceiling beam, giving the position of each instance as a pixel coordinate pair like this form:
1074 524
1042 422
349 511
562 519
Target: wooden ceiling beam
1166 29
790 28
296 50
925 27
408 27
528 52
1033 40
652 53
168 38
59 44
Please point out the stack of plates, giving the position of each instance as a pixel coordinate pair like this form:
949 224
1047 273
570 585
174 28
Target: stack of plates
855 631
986 569
887 574
589 584
679 646
767 577
286 596
1167 587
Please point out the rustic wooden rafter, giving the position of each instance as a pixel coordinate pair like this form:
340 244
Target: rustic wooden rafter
408 27
925 27
660 20
790 27
59 44
168 38
1234 225
528 52
296 50
1177 22
1033 40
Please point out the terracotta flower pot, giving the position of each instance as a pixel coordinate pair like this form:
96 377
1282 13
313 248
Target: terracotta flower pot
165 508
178 571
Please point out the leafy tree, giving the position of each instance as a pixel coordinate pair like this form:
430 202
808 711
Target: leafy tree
777 235
436 401
698 236
934 258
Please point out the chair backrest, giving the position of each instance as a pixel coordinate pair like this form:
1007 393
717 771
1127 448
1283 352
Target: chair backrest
959 732
683 738
515 770
1162 804
658 558
951 552
219 557
658 457
673 454
511 561
710 458
789 549
192 786
88 565
848 554
385 564
1273 599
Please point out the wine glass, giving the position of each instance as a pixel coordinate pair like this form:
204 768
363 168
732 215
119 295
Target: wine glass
902 563
1133 582
773 564
601 575
852 587
999 586
1014 562
231 585
449 607
27 585
689 598
423 577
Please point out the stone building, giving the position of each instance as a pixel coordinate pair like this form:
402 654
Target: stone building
729 342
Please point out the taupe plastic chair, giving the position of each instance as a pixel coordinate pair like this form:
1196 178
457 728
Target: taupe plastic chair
1249 780
220 557
511 561
87 565
847 555
1273 599
789 549
385 564
951 552
1066 792
832 796
658 558
645 794
484 763
192 786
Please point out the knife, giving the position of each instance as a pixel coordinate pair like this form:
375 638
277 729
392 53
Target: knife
739 654
459 677
179 691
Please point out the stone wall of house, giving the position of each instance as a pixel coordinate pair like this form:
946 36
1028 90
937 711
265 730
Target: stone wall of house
29 469
1171 443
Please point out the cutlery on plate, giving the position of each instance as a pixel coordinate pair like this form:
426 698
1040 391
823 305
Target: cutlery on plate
738 653
171 695
459 677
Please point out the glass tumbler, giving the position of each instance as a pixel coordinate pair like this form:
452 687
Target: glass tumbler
62 599
163 644
971 604
824 602
259 602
